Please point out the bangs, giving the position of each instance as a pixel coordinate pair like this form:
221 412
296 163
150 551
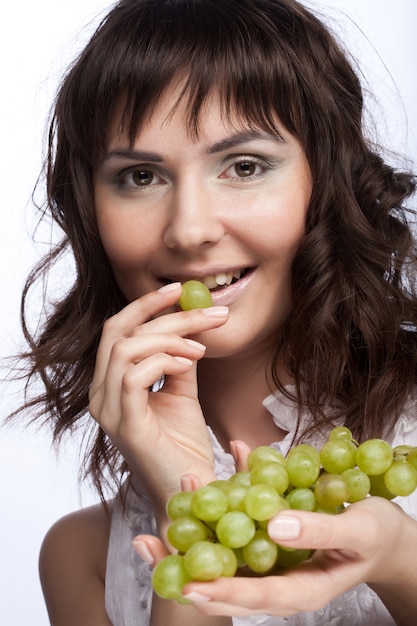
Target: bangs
262 60
230 49
207 51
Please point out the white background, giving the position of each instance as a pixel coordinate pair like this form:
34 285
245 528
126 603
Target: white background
37 41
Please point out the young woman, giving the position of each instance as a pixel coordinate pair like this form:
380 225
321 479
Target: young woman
224 142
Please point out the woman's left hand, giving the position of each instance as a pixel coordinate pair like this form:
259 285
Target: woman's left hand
371 541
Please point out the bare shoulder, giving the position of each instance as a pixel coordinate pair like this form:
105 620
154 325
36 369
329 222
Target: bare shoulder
72 566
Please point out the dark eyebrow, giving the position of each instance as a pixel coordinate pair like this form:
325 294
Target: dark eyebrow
239 138
134 155
219 146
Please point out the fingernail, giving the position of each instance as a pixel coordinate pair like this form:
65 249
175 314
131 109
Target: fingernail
182 359
216 311
194 596
143 551
196 344
169 287
284 527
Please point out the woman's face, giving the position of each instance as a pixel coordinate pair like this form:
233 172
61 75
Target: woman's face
227 208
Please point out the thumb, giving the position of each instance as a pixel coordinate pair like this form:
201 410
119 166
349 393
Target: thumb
356 527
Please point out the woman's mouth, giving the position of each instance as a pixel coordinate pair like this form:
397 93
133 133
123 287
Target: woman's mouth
214 282
225 287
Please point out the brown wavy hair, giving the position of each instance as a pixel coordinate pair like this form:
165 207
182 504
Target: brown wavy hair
350 341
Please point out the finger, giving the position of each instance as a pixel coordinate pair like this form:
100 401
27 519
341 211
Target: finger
145 308
132 315
124 325
356 530
190 482
138 379
127 352
281 596
150 548
127 395
240 452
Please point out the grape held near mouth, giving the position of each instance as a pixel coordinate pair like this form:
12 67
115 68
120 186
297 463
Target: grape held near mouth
195 295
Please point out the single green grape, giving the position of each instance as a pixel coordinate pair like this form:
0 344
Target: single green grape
341 432
305 448
223 485
283 505
236 495
195 295
412 457
303 468
331 490
209 503
204 561
338 455
241 478
262 502
169 577
401 478
179 504
235 529
270 473
401 452
261 553
184 531
301 498
359 484
263 454
374 456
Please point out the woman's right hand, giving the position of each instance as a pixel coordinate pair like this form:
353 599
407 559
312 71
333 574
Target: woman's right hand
162 435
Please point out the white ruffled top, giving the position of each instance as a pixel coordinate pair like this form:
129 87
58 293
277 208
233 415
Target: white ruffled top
128 578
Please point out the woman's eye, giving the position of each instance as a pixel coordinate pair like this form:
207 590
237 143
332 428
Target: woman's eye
136 178
246 168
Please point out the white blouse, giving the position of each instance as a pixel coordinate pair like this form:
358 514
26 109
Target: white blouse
128 578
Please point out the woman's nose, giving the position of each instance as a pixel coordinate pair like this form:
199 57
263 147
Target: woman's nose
193 217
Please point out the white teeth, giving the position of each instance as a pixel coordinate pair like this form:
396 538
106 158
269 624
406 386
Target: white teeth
221 279
210 282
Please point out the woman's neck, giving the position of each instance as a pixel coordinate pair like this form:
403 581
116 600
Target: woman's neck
231 392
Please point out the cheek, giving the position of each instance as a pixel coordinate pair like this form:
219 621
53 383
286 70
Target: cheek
125 240
280 231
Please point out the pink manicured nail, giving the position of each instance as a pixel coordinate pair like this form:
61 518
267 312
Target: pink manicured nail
169 287
284 527
193 596
195 344
143 551
182 359
216 311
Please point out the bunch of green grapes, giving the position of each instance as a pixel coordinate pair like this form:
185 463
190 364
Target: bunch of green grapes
221 528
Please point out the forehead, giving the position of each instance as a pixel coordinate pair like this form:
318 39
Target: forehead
175 109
